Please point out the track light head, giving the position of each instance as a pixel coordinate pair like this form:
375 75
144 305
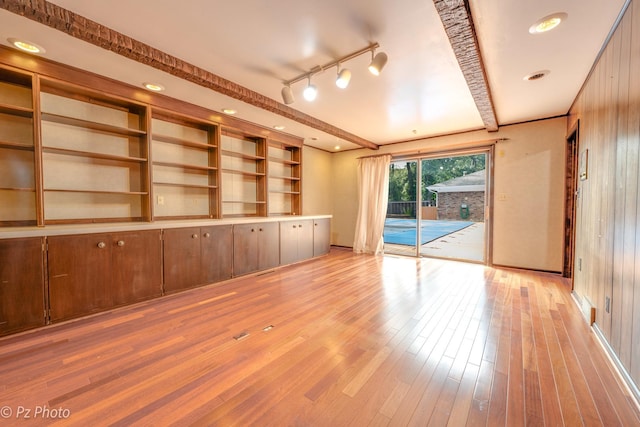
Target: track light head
287 95
344 76
310 92
377 63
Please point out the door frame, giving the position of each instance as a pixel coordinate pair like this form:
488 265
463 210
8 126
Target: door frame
570 201
488 151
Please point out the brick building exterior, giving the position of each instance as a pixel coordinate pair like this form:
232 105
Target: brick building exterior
462 198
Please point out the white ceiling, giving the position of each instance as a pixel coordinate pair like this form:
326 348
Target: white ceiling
420 93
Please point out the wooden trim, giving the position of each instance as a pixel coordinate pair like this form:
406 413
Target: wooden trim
571 186
37 153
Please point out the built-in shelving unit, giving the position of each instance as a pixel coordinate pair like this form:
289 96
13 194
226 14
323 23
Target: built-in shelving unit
284 179
185 167
95 156
77 148
244 172
18 194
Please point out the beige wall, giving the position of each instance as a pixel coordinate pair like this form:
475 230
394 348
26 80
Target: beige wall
529 171
317 194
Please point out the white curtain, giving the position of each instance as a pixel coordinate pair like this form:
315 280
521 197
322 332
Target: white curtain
373 186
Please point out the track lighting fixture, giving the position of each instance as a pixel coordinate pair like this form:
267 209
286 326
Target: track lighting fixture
343 77
287 95
377 62
310 92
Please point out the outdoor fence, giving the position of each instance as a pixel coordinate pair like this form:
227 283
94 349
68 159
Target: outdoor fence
406 208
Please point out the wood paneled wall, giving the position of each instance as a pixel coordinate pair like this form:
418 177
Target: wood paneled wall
607 268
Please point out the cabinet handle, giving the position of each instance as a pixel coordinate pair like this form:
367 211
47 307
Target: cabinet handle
252 230
300 226
294 226
206 235
260 229
194 236
102 245
121 243
316 224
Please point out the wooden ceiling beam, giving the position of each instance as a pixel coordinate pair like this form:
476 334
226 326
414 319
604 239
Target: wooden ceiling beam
458 24
92 32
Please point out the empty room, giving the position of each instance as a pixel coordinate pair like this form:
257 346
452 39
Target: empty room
320 213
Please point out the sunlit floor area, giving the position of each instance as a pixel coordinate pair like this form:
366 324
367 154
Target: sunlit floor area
341 340
467 244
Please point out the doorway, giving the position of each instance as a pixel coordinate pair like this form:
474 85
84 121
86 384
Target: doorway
438 206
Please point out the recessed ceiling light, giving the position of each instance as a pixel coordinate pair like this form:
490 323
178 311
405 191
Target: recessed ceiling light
547 23
229 111
154 87
278 127
26 46
337 147
537 75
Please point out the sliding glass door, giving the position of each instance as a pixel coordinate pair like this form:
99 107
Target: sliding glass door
400 230
438 206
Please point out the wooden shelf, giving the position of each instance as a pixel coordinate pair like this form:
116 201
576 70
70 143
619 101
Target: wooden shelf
239 172
16 111
179 141
288 178
284 161
186 166
175 184
241 155
92 154
283 192
245 202
117 130
16 146
17 189
63 190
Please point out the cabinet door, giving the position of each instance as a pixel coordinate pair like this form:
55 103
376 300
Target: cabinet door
321 236
245 248
79 274
181 258
216 254
268 245
288 242
305 239
136 266
21 285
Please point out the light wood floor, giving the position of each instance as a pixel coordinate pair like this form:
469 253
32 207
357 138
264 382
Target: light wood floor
356 340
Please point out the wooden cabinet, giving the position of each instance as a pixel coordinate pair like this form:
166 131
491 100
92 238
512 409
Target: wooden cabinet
321 236
18 153
296 241
93 272
284 179
196 256
216 253
244 174
95 156
22 296
255 247
185 167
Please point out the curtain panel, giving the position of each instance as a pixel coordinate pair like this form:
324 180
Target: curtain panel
373 195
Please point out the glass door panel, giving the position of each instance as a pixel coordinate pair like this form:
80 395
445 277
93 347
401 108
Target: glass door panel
454 191
400 231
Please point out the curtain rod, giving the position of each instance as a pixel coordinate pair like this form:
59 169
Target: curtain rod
453 147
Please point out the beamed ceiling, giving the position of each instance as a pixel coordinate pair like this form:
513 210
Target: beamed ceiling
453 65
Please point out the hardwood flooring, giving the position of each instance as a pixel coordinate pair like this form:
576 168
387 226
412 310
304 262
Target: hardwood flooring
344 340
